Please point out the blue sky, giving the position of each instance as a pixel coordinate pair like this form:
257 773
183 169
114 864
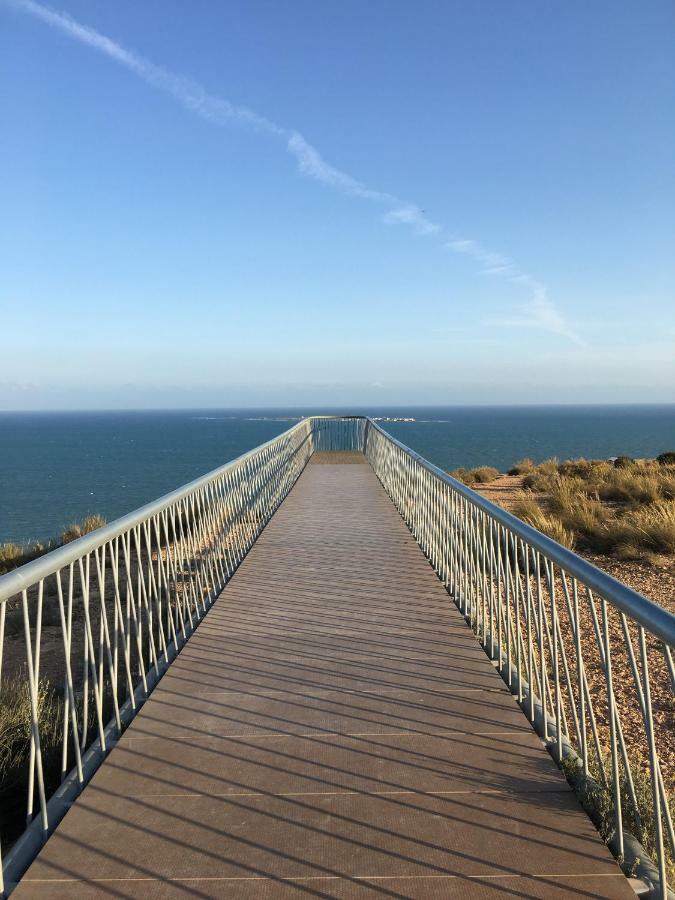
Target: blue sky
259 203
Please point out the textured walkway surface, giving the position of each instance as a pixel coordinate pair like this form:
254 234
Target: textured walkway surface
333 729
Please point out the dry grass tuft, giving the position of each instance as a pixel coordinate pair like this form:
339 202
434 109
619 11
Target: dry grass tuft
484 474
627 510
15 724
523 467
15 735
10 556
531 512
598 801
651 527
479 475
15 742
73 532
14 555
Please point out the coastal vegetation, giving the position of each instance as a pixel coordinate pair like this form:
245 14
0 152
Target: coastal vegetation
13 555
478 475
578 502
15 706
620 514
15 744
624 508
15 748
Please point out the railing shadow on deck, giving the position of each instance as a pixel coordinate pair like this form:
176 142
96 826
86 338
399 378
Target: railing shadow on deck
125 598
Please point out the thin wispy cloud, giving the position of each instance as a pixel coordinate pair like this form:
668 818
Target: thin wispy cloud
491 263
311 163
187 92
539 312
413 216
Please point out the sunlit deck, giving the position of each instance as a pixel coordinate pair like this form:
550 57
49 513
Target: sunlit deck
332 729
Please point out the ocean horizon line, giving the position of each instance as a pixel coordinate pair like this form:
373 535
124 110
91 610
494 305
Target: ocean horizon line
314 409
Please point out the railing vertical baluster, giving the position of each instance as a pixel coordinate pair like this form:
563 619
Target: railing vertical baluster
654 760
159 571
611 714
35 747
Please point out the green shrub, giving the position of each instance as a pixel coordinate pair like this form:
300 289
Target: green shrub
624 462
666 459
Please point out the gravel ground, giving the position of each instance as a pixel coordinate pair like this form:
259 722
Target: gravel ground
655 581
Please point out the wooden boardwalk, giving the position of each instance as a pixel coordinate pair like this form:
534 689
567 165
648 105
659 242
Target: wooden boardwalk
333 729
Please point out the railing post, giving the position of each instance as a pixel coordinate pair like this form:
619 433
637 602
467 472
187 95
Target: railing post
496 568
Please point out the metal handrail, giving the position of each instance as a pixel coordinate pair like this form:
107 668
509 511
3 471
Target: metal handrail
656 619
14 582
547 617
128 596
26 575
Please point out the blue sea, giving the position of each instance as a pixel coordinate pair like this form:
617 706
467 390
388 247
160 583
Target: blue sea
57 468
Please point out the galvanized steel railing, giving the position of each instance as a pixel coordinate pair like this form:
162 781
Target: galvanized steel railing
339 432
589 659
126 597
123 599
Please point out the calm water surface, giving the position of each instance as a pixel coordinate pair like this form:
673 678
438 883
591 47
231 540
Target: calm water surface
56 468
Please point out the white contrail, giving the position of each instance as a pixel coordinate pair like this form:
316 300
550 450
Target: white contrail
411 215
539 312
311 164
187 92
191 95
